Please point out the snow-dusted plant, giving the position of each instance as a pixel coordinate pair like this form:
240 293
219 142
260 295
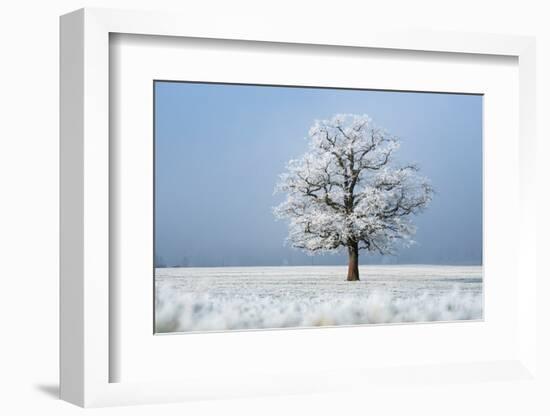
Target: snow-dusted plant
348 192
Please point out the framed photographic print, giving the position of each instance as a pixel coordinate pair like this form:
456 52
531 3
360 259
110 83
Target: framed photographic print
245 214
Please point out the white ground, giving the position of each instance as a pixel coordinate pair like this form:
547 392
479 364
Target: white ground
225 298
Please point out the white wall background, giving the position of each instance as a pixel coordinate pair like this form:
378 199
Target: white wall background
29 204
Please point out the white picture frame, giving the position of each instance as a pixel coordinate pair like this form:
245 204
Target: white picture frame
86 356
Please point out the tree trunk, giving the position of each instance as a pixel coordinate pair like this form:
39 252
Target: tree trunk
353 262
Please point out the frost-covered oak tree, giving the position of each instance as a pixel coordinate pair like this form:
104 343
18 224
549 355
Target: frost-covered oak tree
349 192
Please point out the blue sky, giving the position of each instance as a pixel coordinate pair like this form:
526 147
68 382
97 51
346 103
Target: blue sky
220 148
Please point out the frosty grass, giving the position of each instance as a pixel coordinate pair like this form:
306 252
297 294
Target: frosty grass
228 298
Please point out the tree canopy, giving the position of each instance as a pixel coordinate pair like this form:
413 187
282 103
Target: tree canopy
348 189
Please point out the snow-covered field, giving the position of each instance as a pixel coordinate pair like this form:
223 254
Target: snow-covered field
227 298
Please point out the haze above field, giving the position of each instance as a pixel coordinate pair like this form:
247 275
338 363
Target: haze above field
220 148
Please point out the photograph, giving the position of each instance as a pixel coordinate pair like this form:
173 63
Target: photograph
301 206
